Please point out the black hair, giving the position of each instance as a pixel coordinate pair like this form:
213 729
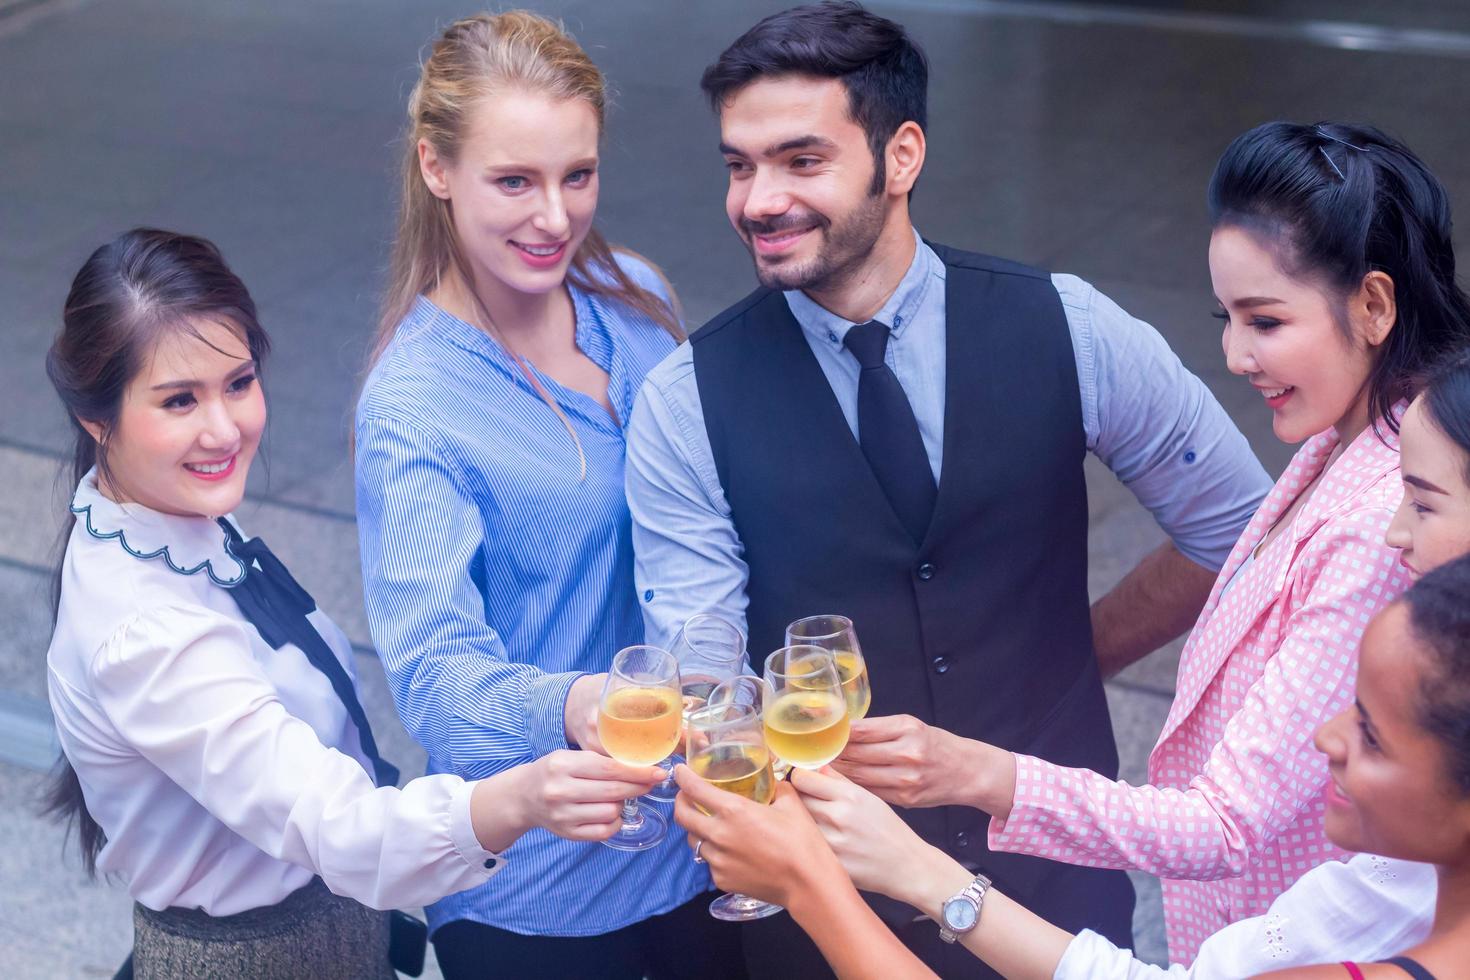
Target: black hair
1447 401
1339 201
131 292
884 71
1439 615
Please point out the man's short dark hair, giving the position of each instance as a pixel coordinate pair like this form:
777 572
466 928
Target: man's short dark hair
885 73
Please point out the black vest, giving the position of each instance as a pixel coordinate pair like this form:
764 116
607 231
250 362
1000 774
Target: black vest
984 628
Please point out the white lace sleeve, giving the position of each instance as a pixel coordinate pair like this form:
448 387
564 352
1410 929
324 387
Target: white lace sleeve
1364 909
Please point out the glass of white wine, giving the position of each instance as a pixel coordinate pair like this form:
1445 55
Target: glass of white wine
638 723
836 635
805 717
726 745
708 649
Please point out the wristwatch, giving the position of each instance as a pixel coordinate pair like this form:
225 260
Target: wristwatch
960 914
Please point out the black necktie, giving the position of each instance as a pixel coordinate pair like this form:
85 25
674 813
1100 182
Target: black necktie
889 433
277 606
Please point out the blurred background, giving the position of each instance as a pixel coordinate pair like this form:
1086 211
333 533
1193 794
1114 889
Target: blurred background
1076 136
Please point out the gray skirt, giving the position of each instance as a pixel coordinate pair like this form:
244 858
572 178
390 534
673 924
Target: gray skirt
311 933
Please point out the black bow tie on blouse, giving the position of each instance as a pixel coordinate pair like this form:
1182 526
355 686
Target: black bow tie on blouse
277 606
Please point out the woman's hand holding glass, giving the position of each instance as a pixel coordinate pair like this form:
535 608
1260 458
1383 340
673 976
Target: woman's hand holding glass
773 852
727 748
638 724
576 795
878 850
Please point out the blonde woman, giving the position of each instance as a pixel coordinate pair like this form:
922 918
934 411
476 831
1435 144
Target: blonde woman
495 537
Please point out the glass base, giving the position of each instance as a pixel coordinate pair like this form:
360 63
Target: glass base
643 827
668 790
734 907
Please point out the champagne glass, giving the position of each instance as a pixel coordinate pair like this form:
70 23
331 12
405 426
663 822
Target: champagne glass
708 649
726 745
836 635
805 716
638 723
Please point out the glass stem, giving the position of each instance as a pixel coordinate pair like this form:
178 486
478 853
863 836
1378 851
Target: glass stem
632 819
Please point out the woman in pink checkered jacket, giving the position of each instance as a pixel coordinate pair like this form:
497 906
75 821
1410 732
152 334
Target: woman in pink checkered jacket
1332 262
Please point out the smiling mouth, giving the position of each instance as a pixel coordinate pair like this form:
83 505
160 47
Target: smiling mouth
540 251
770 244
213 470
1270 393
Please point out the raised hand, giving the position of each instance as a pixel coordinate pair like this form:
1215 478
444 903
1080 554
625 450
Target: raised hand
875 846
574 794
911 764
580 714
774 852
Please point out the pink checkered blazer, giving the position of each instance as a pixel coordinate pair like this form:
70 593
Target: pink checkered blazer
1234 810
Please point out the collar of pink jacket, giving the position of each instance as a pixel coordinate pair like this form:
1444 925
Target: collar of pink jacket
1370 460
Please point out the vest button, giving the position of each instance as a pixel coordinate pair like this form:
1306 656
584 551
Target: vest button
926 572
940 664
961 841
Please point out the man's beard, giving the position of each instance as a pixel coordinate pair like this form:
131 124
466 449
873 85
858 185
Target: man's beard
844 247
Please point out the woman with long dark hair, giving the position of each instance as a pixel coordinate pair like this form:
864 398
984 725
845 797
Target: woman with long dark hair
1332 261
216 755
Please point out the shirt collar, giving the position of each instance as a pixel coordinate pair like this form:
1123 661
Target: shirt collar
822 326
186 545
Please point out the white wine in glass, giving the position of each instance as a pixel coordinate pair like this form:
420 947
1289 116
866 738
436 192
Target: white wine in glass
726 746
836 635
638 723
708 649
805 716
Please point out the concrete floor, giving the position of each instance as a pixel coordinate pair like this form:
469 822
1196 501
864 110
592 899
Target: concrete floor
1076 136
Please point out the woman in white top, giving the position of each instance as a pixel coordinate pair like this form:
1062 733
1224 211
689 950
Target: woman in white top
218 758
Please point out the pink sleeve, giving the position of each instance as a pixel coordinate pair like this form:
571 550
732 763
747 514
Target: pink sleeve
1263 773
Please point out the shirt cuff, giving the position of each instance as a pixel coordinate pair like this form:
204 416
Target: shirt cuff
462 834
1014 832
546 712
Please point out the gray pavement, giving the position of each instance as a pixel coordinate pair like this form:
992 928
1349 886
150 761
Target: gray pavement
1077 136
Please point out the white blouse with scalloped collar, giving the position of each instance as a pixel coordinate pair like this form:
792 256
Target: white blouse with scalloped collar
226 774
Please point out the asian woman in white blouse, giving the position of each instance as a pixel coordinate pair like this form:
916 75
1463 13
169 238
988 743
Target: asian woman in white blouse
213 760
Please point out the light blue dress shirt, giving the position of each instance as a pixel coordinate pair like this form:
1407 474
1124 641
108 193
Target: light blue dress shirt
1151 421
494 577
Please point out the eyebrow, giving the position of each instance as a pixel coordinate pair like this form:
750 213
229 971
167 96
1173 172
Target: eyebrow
806 142
1251 301
186 385
493 168
1423 484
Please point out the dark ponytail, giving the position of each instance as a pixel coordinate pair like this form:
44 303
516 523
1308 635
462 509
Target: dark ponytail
1339 201
132 291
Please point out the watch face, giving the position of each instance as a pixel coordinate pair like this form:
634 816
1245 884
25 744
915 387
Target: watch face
960 914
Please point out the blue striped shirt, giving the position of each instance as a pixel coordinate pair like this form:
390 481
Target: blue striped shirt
494 577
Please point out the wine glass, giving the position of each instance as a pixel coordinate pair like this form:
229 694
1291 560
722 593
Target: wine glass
708 649
638 723
805 717
726 745
836 635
